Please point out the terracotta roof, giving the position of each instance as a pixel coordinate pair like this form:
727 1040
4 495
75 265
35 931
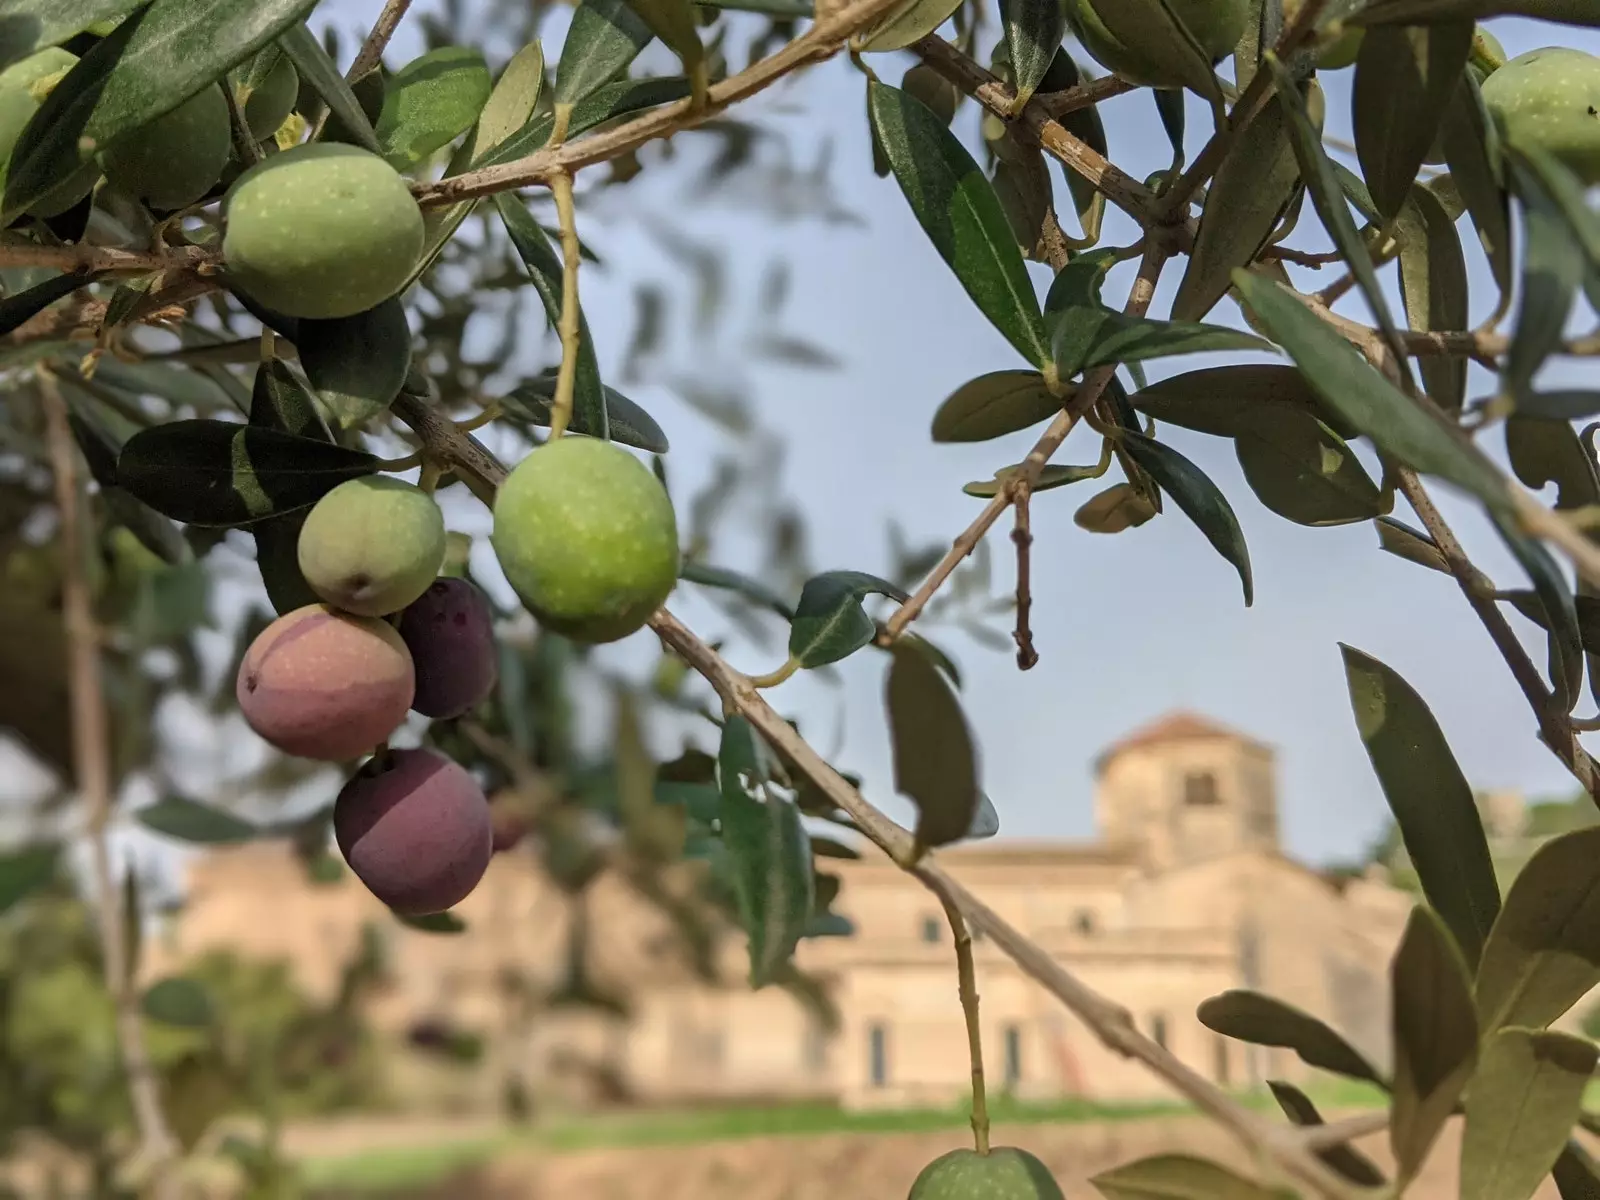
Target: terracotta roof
1180 726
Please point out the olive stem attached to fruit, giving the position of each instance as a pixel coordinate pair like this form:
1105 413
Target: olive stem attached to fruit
567 377
967 988
244 143
774 678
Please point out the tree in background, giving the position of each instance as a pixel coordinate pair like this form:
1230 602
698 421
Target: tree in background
224 223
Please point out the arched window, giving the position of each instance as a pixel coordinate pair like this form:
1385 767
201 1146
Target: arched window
1200 789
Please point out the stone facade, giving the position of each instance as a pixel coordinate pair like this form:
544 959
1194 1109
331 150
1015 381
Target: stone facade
1184 894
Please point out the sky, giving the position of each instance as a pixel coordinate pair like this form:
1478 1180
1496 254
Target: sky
1127 626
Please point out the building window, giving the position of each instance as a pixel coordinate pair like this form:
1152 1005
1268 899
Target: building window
1200 789
1158 1029
814 1048
930 930
1219 1065
1013 1039
878 1054
1083 922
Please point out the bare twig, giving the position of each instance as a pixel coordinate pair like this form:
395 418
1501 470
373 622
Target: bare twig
1022 538
967 990
92 767
1085 95
371 52
100 259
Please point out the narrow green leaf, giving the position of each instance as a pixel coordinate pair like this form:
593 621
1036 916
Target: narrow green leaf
1247 198
509 107
1521 1107
1034 29
1569 12
1405 78
603 38
151 63
1079 283
1249 1016
1552 269
1179 1177
321 74
178 1001
1559 405
1435 1037
23 870
1531 606
996 404
829 622
1471 144
1119 507
215 473
935 761
673 21
1413 545
278 559
958 210
1118 338
1053 475
906 23
545 272
626 422
1170 108
1433 284
1543 953
1556 599
1199 499
1431 800
732 581
1567 196
1305 472
1371 404
771 854
1164 43
1225 401
441 923
31 25
430 102
190 821
17 308
358 363
1346 1160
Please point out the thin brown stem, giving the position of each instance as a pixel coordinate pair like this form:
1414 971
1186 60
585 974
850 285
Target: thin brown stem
98 259
371 52
967 990
1022 538
567 326
244 145
91 754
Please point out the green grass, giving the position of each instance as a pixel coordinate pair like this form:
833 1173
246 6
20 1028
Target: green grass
419 1166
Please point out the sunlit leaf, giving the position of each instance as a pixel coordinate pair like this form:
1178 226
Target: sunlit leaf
1520 1109
430 102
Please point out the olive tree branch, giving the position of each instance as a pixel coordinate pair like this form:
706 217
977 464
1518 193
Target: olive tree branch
92 768
823 40
100 259
1026 474
371 52
567 326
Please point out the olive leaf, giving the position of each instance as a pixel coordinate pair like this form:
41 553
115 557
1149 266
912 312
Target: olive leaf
430 102
1249 1016
626 422
358 363
1405 79
1520 1110
1051 475
1413 545
1199 499
1552 269
152 62
1471 144
1226 401
1120 506
544 267
1179 1177
1587 608
1556 599
1567 196
1304 471
673 21
442 923
770 853
1433 285
32 25
190 821
1570 12
1085 125
829 622
1431 800
1163 40
1576 1174
206 472
17 308
1033 29
996 404
1543 953
321 74
1346 1160
603 38
1084 337
732 581
906 23
1249 195
178 1001
935 761
1435 1037
1352 388
24 869
961 215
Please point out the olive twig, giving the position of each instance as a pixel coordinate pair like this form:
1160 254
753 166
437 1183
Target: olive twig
774 678
566 378
491 412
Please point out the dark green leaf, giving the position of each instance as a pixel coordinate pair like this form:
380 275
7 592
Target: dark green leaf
1034 29
626 421
732 581
1577 1177
1435 1037
1552 269
23 870
1413 545
1347 1161
278 559
150 64
1225 401
1199 499
1169 107
445 922
1262 1020
1521 1107
30 25
1430 798
1559 405
1567 195
278 401
1078 284
935 761
940 95
996 404
177 1001
545 271
1555 598
430 102
1433 284
1164 43
673 21
1587 607
1105 338
829 622
1247 198
1053 475
958 210
1370 403
1304 471
1178 1177
190 821
1405 79
603 38
358 363
1543 953
1471 146
16 309
1570 12
321 74
771 855
215 473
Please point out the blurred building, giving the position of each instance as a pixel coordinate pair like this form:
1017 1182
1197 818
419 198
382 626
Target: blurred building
1185 893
